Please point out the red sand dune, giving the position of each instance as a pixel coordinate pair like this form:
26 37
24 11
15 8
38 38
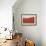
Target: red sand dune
28 20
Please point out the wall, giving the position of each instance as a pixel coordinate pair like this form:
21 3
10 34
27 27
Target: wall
6 16
6 13
43 22
28 7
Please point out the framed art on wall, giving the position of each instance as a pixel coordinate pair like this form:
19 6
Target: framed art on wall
29 19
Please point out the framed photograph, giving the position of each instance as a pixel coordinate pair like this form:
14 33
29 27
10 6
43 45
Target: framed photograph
29 19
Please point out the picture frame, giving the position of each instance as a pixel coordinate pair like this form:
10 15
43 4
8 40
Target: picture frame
28 19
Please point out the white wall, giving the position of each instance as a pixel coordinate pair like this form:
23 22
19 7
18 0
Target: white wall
28 7
6 13
37 33
43 22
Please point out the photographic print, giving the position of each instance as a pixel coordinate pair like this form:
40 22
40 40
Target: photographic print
29 19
